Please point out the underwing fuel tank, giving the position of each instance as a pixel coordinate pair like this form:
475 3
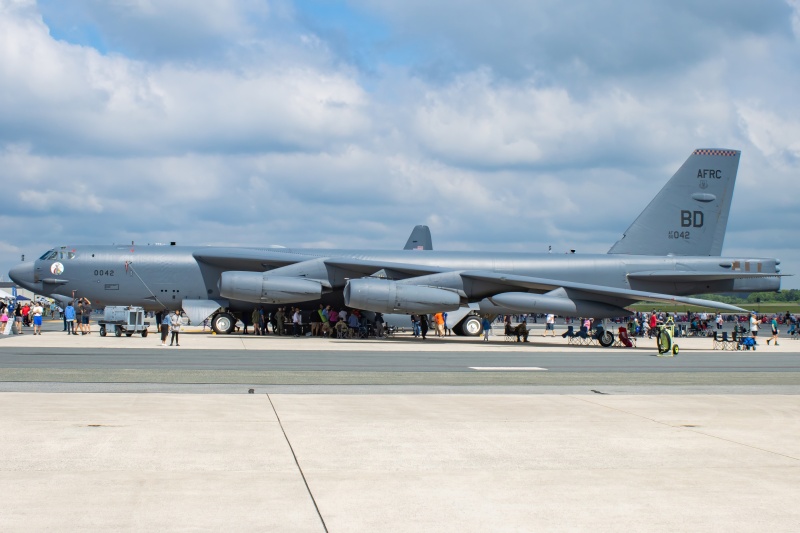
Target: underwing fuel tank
525 302
259 287
383 296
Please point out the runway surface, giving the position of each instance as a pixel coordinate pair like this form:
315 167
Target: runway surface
234 363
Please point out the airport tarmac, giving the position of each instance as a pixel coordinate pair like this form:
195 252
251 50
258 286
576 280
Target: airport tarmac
395 435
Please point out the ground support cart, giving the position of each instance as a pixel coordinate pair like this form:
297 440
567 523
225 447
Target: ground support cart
121 319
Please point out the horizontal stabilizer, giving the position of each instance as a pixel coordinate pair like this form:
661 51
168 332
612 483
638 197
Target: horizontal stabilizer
692 276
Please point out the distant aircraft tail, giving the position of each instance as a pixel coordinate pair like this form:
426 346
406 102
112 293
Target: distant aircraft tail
689 215
420 239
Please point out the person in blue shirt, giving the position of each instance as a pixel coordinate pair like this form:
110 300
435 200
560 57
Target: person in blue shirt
69 316
166 322
487 328
774 324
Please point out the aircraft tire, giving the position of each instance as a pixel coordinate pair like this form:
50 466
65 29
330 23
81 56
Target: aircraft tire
471 326
607 339
223 323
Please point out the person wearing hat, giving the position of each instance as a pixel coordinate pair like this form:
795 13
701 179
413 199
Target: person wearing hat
753 325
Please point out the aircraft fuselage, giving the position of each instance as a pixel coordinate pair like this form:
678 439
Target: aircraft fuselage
158 277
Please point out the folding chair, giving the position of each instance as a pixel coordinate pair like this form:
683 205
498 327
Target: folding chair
510 336
569 334
624 340
727 343
582 337
719 342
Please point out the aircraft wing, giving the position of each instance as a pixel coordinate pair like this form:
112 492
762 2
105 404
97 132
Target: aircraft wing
585 291
257 259
392 270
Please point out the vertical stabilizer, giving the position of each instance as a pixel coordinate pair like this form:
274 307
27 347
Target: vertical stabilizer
690 214
420 239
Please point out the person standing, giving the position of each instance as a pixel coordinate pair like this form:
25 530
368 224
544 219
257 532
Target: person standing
165 323
87 316
652 324
438 320
4 322
316 322
753 325
69 316
487 328
279 318
333 318
415 325
719 321
774 325
37 312
18 318
255 316
550 325
79 316
297 322
379 324
423 325
324 314
175 327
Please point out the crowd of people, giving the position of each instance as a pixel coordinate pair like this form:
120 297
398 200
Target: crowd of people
326 321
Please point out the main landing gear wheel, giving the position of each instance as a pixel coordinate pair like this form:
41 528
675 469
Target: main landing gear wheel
606 339
223 323
471 326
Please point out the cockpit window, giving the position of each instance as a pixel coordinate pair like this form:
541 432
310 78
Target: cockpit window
48 255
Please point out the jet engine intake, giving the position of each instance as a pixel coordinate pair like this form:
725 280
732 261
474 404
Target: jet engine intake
526 302
383 296
259 287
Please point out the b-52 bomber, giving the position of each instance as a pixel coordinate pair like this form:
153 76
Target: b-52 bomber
672 250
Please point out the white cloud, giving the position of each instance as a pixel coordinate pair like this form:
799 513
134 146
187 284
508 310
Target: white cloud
522 125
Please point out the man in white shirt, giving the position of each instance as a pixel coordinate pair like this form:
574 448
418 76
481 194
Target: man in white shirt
297 322
37 311
550 325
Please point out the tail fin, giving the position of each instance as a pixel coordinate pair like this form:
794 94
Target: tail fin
689 215
420 239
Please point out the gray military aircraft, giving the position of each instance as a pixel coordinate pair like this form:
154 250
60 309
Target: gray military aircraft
671 250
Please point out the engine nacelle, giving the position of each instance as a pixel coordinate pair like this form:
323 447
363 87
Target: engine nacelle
526 302
385 296
259 287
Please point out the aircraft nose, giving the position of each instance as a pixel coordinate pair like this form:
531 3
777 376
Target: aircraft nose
22 274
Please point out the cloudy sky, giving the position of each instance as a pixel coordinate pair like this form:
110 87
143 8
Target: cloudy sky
512 125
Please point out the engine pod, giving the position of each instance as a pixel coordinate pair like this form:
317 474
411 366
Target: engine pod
384 296
259 287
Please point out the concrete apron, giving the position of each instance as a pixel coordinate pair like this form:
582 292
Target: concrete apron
369 463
